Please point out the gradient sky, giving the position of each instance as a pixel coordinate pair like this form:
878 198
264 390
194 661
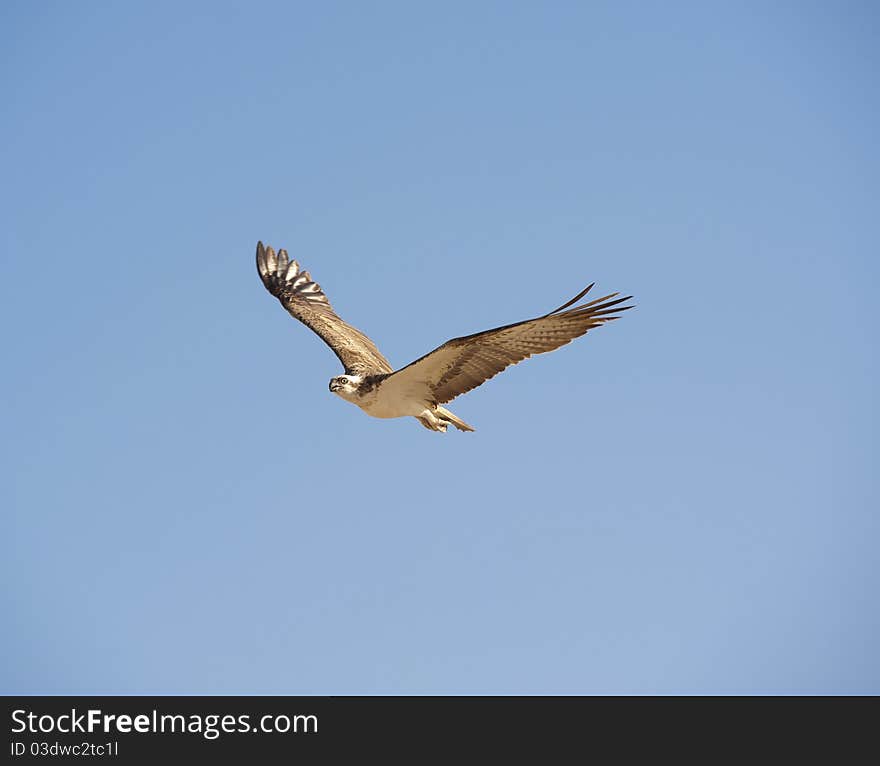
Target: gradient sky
683 501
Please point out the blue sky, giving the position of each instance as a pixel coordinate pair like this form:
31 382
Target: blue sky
682 502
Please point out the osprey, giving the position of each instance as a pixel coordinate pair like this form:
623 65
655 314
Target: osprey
420 388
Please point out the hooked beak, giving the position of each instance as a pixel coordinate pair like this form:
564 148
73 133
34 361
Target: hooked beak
334 386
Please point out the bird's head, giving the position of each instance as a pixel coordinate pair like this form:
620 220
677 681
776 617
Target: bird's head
345 386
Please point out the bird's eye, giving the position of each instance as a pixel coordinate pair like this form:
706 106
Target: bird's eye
343 381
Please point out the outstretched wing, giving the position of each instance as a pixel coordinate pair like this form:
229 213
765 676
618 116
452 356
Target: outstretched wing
462 364
305 300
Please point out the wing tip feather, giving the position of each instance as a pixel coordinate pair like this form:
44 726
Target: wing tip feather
576 298
262 264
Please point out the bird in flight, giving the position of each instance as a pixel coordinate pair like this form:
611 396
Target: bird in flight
459 365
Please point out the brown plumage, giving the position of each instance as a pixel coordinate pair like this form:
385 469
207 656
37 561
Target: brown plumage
462 364
305 300
459 365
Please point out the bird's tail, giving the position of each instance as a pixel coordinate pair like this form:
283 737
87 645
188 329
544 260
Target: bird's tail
454 419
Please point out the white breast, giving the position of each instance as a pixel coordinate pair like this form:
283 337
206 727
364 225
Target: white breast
386 401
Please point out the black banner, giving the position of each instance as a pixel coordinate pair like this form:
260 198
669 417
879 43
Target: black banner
144 729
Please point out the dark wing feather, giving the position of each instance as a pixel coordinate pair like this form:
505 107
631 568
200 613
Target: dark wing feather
462 364
305 300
